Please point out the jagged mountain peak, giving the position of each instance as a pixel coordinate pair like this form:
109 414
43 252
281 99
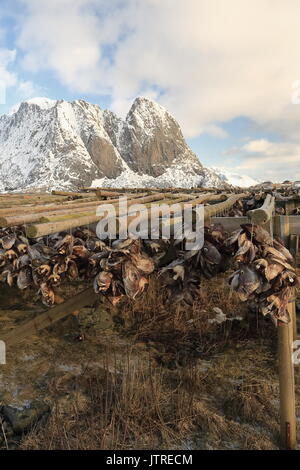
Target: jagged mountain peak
40 102
145 107
51 144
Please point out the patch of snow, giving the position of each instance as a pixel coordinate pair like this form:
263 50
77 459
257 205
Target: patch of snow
176 176
41 102
235 179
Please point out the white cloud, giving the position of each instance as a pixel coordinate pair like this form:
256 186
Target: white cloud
7 57
265 159
214 60
9 78
27 89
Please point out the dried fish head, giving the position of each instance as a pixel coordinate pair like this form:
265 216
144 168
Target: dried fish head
48 296
60 267
36 254
24 279
65 245
131 279
103 281
211 253
72 270
21 247
233 238
43 270
8 241
23 261
249 279
260 264
143 263
121 244
100 245
2 258
54 280
272 271
80 251
259 234
11 255
8 274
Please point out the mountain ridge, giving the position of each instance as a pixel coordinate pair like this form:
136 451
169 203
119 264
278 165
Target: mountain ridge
56 144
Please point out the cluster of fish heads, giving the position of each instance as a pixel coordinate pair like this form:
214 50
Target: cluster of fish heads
183 275
45 262
118 268
123 269
265 271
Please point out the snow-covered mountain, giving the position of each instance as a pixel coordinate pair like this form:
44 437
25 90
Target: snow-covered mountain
234 179
50 144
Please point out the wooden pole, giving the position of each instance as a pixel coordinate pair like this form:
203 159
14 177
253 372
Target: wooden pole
51 316
40 230
50 215
214 209
75 204
264 213
286 385
286 335
281 227
69 193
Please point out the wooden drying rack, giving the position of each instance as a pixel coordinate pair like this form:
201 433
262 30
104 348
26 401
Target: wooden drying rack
46 214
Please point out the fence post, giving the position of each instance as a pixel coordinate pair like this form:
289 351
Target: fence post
286 335
286 385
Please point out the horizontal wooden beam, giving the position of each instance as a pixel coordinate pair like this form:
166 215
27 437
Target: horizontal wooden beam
40 230
48 318
215 209
263 214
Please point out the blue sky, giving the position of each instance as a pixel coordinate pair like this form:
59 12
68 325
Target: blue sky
225 70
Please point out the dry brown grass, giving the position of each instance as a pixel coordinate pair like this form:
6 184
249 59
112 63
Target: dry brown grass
146 408
175 382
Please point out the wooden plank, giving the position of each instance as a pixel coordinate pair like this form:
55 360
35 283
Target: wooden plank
54 215
108 193
69 193
215 209
281 227
78 203
40 230
294 222
7 203
48 318
43 217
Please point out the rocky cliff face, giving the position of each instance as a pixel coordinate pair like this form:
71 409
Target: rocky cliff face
57 144
150 140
